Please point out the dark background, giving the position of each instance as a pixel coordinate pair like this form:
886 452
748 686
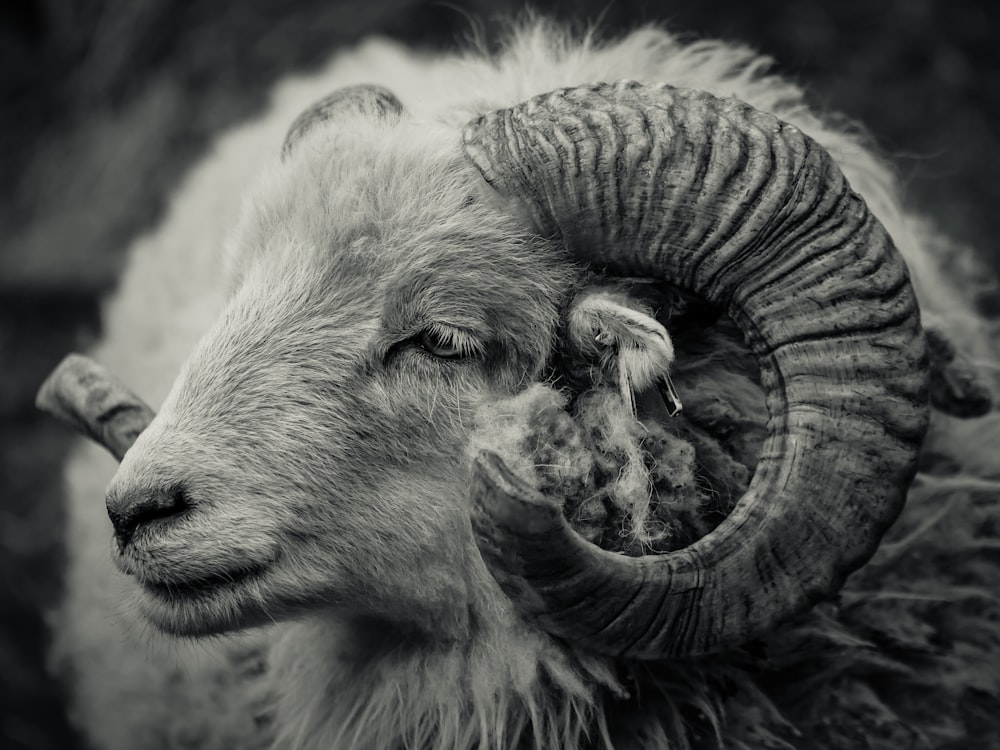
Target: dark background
106 103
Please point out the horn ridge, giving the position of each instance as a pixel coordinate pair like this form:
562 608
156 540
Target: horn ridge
753 215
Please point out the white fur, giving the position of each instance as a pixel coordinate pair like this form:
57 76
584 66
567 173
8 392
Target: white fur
134 688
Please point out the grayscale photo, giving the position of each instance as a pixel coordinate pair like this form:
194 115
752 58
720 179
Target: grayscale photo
468 375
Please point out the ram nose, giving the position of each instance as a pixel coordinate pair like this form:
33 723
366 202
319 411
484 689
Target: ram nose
137 506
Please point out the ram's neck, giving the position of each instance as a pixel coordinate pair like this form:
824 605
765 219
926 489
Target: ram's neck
367 685
353 684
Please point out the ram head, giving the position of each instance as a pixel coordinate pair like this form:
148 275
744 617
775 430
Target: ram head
393 277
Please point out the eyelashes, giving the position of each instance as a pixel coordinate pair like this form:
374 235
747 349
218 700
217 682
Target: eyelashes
447 342
441 342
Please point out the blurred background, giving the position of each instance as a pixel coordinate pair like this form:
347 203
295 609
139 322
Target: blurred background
107 103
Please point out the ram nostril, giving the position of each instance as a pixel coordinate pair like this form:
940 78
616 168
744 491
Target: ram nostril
130 512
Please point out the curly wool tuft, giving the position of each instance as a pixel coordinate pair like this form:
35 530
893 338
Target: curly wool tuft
629 486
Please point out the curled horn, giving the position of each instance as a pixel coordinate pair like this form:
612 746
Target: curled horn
364 99
751 214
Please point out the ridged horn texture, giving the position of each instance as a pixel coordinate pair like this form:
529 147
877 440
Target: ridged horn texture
350 101
751 214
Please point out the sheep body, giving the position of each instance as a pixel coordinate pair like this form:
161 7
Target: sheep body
298 684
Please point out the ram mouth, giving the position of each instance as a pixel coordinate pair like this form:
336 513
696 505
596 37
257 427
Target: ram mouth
203 586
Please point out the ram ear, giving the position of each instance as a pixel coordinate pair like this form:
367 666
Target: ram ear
364 100
613 339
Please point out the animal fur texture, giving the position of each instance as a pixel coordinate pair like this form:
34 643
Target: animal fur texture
906 656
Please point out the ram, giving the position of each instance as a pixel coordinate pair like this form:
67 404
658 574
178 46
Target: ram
538 399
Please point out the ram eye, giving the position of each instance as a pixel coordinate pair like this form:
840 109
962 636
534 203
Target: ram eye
447 342
444 347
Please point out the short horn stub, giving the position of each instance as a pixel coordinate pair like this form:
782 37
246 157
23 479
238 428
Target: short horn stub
751 214
86 396
350 101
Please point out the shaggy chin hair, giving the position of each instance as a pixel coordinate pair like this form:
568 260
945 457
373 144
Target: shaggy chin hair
502 689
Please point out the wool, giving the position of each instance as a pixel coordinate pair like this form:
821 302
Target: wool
629 486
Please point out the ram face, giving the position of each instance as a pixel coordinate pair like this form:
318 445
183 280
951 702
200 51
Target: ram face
391 276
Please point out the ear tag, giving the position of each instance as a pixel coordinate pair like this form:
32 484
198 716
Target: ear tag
673 402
